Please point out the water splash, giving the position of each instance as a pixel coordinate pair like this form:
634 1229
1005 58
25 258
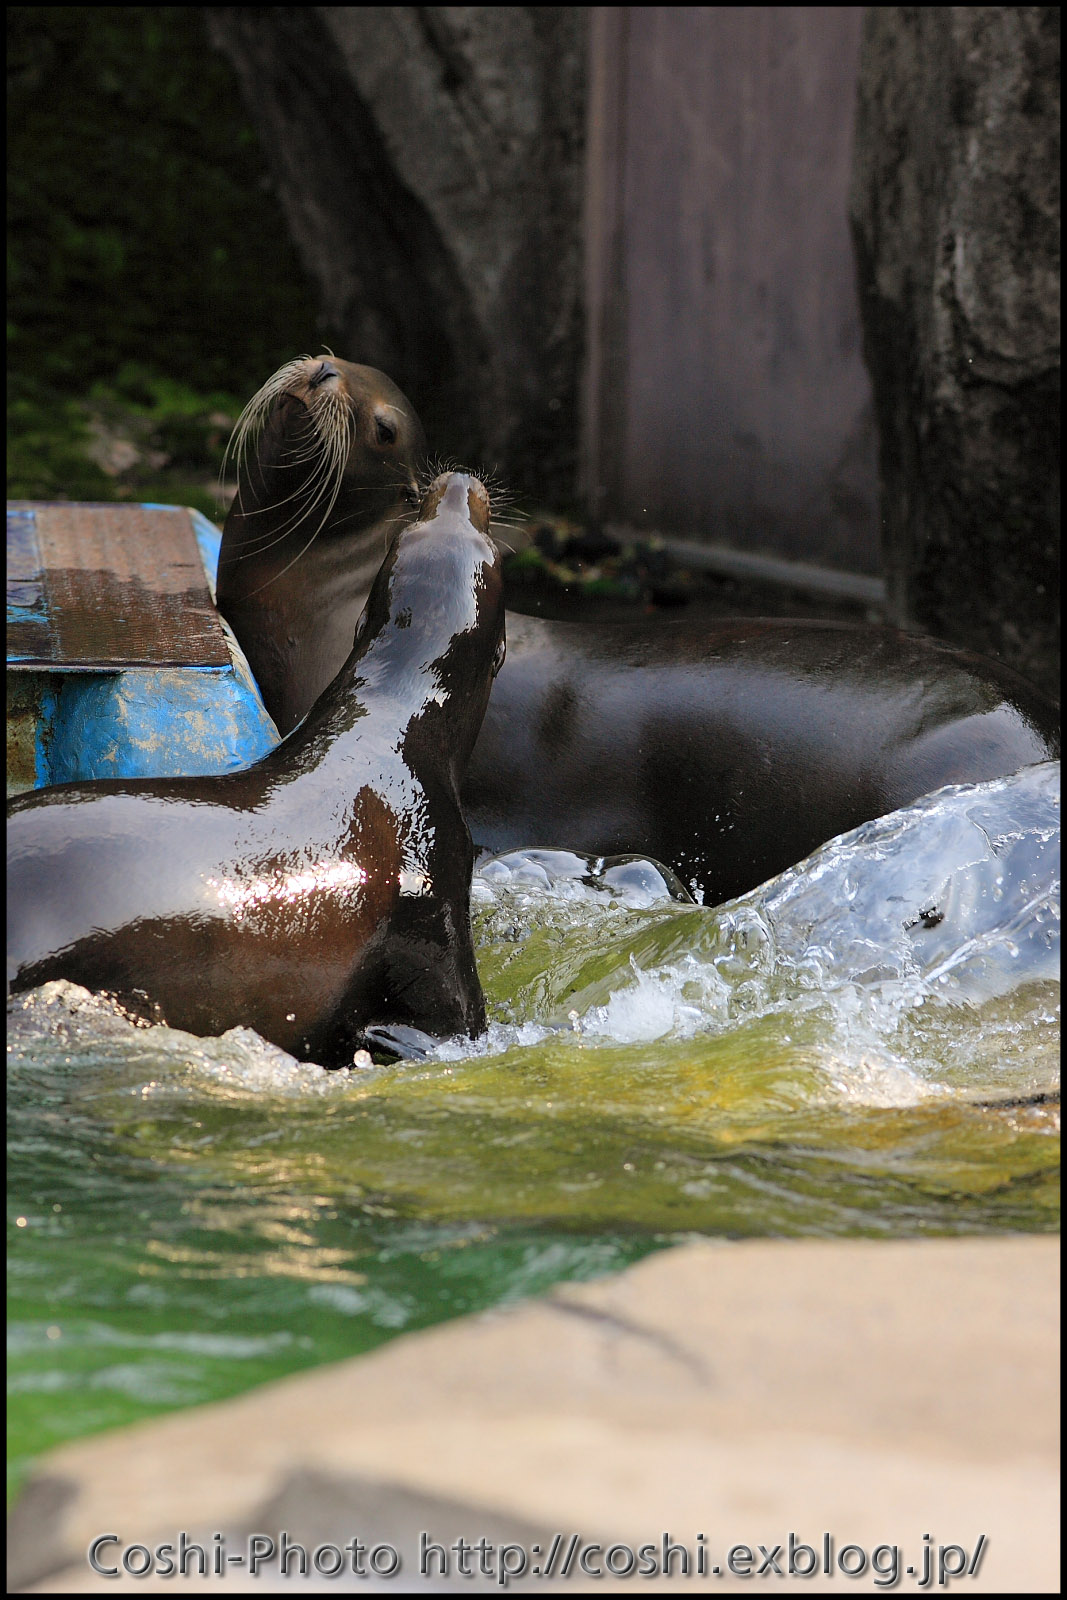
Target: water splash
577 879
87 1030
949 903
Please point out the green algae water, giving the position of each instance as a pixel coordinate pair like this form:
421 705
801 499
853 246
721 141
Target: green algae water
853 1049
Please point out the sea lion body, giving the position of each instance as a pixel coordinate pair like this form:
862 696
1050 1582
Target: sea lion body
732 750
322 890
727 749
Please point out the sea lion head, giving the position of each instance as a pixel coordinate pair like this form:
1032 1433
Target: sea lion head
457 496
325 446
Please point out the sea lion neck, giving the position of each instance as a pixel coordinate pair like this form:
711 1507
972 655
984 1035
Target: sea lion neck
432 623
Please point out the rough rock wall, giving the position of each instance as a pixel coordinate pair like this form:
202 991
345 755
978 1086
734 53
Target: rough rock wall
955 212
429 159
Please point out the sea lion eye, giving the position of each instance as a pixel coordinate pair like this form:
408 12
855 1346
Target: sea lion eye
386 430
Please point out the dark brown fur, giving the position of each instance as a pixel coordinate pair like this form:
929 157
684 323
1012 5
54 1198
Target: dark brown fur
324 889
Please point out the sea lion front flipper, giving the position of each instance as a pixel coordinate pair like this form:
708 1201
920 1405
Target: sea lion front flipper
395 1041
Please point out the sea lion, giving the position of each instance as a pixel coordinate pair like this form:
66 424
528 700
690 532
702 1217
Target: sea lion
334 472
727 749
323 891
731 750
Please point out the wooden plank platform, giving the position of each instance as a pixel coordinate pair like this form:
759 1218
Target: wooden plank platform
118 664
107 587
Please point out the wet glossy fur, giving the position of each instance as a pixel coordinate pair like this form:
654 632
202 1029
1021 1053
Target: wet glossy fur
325 888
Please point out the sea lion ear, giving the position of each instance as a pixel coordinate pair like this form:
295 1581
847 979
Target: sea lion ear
385 428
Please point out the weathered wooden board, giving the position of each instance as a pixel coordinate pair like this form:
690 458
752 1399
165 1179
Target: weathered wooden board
94 587
118 664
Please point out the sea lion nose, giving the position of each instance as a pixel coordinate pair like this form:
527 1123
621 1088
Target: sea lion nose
455 495
325 369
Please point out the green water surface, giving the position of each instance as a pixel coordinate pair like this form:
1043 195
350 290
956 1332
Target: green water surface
190 1217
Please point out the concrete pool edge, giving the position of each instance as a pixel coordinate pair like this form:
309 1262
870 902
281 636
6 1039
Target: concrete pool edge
878 1391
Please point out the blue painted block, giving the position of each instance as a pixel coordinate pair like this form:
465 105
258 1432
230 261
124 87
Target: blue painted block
68 721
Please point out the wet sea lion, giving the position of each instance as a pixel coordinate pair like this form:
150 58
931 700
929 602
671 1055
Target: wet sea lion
731 750
727 749
326 888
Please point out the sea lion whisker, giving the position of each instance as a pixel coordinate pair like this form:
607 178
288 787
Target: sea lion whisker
280 539
322 440
292 563
254 415
276 505
328 478
264 396
309 437
385 522
436 467
260 546
301 487
374 488
314 438
313 456
253 420
328 457
261 543
275 536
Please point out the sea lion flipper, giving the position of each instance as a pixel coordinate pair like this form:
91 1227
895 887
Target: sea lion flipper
397 1042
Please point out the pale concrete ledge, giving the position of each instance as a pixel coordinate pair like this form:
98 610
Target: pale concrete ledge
875 1391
